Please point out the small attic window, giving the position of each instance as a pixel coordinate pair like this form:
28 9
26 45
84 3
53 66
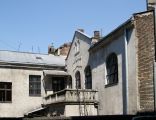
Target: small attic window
39 58
77 47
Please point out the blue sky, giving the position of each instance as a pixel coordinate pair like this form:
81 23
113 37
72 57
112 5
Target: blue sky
31 25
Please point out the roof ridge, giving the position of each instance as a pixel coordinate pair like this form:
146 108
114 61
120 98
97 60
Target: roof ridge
22 52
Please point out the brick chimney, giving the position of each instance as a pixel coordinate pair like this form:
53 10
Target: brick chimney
63 50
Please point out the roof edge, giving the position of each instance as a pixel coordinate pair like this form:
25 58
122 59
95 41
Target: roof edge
22 52
112 32
77 31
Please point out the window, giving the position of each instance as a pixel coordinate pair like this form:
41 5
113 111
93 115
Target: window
77 47
112 69
88 78
5 91
78 80
69 82
35 85
58 83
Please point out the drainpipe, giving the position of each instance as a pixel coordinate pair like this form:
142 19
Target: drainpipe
125 79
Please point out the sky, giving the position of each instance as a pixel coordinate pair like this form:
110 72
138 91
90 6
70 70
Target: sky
32 25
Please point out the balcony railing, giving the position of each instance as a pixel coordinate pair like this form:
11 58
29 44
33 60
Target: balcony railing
72 96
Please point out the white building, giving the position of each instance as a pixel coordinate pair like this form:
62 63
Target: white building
22 81
102 76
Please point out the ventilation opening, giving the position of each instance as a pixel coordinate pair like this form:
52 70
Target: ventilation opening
39 58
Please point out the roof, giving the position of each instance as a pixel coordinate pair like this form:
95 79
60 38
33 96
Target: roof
31 58
77 31
110 34
129 21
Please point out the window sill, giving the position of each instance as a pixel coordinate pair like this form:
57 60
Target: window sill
77 53
34 95
111 84
6 102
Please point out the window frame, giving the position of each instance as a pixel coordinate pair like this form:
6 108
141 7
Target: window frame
6 90
88 78
77 47
33 90
78 80
58 83
111 70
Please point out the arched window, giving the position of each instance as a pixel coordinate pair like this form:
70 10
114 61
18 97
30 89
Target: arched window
88 78
78 80
112 69
75 47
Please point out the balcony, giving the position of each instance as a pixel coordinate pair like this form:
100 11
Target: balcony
72 96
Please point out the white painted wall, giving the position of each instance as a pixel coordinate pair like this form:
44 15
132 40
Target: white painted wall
133 94
21 101
110 98
78 62
74 110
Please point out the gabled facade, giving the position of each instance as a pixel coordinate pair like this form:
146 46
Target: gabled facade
78 59
75 100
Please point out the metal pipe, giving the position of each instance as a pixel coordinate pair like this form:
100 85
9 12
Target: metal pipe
125 80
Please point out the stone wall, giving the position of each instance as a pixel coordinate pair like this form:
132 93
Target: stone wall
144 24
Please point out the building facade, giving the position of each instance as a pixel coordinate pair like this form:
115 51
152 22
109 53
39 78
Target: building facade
122 67
22 81
108 75
119 66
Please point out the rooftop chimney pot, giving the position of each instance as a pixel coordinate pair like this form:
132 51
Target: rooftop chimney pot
81 30
97 34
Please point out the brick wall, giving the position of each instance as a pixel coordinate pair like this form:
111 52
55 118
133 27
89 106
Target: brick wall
145 56
64 50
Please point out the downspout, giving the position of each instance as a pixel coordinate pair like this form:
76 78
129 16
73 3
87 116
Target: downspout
125 80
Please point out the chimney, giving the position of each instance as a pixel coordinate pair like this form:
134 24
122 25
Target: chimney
51 49
151 4
64 49
96 37
97 34
81 30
